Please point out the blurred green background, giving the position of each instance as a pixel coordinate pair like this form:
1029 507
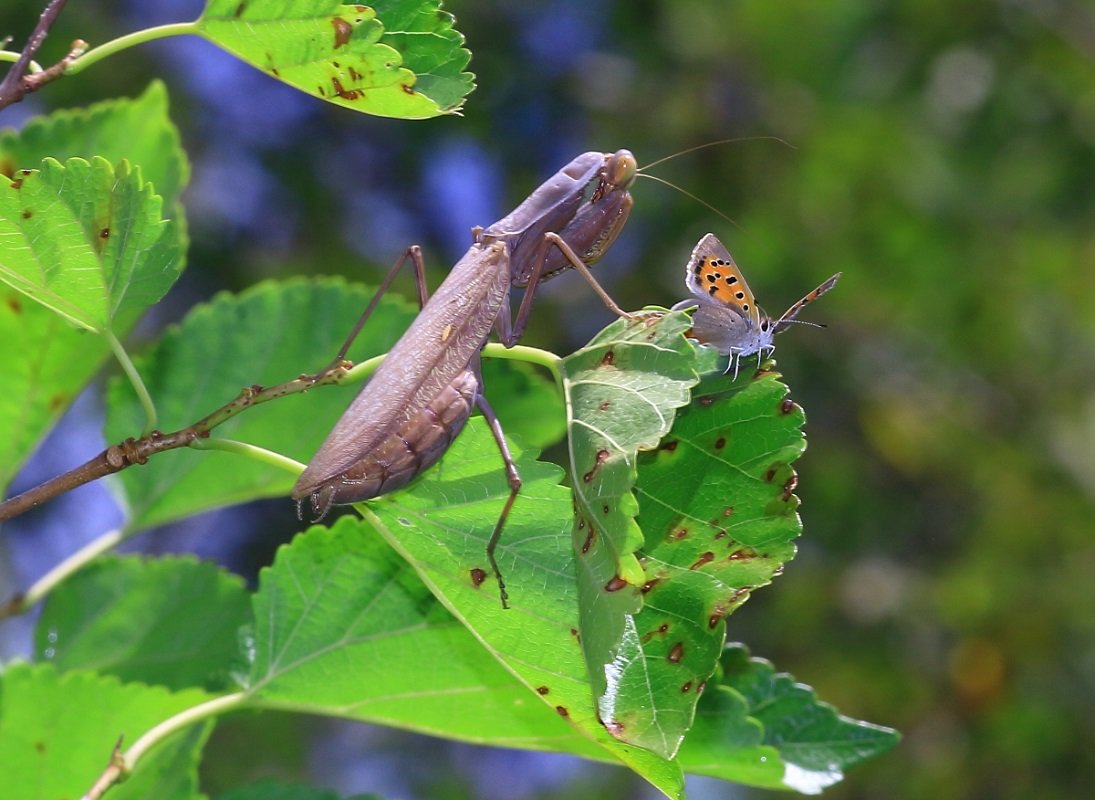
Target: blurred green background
941 155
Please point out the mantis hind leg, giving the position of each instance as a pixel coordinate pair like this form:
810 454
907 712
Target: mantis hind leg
513 478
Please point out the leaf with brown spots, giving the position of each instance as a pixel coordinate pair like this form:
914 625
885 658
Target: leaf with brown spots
59 257
138 130
718 516
622 391
398 60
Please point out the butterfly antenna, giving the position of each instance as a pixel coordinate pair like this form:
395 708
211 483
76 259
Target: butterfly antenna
734 140
806 322
686 193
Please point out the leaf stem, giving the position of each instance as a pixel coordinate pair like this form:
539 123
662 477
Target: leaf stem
532 355
252 451
13 56
18 603
135 380
120 767
106 49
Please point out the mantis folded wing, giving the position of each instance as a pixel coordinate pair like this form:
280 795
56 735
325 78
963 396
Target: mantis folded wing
421 395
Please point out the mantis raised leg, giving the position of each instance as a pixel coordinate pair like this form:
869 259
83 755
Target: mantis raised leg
421 395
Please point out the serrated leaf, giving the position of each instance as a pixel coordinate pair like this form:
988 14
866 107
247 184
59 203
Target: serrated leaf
168 621
622 390
138 131
719 520
790 739
345 627
57 733
269 334
725 742
395 59
87 241
46 363
437 59
441 527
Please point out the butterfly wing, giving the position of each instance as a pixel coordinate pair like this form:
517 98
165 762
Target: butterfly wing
785 320
726 317
722 327
712 274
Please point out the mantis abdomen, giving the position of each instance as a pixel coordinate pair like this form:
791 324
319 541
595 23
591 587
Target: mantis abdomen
413 448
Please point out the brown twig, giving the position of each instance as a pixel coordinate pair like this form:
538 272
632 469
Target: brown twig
17 83
137 451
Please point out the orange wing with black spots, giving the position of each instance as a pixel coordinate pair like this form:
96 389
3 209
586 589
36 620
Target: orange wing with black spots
712 273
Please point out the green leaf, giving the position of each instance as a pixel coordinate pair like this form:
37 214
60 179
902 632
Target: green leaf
719 520
370 629
725 742
780 735
442 528
170 772
438 58
138 131
396 59
57 733
169 621
622 390
269 334
275 790
87 241
344 626
46 363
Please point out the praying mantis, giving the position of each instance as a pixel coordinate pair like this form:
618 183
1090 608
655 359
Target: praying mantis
420 397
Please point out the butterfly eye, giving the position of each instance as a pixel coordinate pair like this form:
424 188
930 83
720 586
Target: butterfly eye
764 326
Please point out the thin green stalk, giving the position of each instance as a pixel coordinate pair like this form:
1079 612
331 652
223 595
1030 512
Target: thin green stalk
181 720
90 551
95 54
531 355
135 380
360 372
12 56
254 452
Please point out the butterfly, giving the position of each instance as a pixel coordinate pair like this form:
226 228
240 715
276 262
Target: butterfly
727 316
